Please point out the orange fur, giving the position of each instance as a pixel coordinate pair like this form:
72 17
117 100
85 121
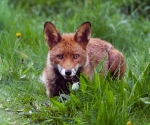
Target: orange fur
71 52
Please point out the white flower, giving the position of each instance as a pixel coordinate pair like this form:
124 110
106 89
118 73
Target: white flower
75 86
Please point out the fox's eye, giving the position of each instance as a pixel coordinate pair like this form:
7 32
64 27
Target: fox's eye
60 56
75 56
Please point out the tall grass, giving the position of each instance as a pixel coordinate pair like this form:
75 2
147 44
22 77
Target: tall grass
98 102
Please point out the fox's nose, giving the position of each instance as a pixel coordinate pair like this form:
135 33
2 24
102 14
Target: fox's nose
68 72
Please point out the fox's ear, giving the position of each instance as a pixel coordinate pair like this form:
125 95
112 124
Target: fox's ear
51 34
83 33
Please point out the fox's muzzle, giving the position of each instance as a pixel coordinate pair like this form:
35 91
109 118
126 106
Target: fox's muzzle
68 73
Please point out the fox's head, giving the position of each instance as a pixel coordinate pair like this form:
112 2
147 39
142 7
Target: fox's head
68 51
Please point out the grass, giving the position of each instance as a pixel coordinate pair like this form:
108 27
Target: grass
101 101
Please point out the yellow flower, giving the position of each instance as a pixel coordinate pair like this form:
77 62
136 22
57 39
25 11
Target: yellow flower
89 2
129 123
18 34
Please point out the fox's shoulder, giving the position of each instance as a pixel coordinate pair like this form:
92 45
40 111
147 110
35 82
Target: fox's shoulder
98 41
99 44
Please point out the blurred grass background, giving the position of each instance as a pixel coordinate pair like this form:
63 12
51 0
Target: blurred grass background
124 23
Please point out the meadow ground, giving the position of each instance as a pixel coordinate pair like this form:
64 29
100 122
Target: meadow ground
102 101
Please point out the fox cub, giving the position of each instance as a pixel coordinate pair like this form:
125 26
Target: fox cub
73 53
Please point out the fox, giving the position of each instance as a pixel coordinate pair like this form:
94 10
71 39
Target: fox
71 54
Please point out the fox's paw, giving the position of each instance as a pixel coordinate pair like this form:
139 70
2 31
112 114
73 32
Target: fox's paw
48 93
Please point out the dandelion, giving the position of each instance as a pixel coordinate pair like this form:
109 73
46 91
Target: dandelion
129 123
89 2
18 34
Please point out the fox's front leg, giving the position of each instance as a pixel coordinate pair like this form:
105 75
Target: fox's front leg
116 63
50 87
49 79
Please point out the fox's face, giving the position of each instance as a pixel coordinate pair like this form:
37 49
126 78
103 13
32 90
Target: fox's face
68 51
